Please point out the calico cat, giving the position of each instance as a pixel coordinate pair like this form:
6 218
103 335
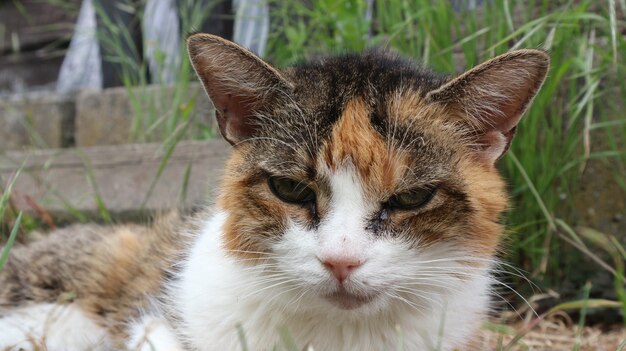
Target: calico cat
359 210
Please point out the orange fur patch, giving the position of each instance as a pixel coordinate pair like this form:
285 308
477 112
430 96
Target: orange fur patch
254 213
486 190
354 141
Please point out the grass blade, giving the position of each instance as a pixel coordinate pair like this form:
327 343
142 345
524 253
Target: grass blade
9 245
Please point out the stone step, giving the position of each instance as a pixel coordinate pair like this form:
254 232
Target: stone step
36 120
104 117
117 115
64 182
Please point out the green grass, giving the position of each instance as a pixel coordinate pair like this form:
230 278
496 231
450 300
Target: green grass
4 255
168 112
14 229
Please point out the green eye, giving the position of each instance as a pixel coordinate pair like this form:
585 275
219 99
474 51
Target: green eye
411 199
290 190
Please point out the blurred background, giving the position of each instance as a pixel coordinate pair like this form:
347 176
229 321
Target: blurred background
101 117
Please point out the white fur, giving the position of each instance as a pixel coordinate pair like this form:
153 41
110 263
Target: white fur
153 334
426 298
52 327
341 235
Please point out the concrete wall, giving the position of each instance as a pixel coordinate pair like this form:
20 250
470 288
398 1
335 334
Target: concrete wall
107 117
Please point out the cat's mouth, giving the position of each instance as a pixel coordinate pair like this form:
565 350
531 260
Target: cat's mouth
348 301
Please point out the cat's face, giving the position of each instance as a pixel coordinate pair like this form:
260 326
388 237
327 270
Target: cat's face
362 180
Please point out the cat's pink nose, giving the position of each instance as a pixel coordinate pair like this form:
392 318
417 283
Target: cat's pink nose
341 268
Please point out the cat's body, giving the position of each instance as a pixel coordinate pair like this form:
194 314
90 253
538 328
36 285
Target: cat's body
85 280
359 210
124 258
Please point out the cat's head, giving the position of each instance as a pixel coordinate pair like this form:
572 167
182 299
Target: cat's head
364 178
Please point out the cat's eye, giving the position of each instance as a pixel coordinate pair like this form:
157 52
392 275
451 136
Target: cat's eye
290 190
411 199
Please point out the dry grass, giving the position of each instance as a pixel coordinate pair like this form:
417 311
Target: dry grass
556 334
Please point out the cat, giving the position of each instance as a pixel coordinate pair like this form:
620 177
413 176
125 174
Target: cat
359 210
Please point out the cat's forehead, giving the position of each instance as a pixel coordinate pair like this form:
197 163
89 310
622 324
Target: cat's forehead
368 110
474 114
373 76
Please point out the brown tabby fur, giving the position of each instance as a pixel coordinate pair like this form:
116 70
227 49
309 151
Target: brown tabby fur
108 271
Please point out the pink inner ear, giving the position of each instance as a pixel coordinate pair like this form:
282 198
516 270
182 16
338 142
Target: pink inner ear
494 144
500 126
233 116
510 113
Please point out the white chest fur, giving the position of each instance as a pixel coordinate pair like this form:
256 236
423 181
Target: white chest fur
218 294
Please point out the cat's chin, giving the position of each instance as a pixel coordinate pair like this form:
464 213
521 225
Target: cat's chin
348 301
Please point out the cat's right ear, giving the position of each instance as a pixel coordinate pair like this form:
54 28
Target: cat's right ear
493 96
238 82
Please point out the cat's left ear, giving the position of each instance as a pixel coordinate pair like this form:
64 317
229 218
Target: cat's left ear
493 96
239 83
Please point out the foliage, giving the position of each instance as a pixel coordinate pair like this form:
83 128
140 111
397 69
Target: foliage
4 204
167 114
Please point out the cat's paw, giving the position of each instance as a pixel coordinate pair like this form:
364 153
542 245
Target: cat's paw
51 327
